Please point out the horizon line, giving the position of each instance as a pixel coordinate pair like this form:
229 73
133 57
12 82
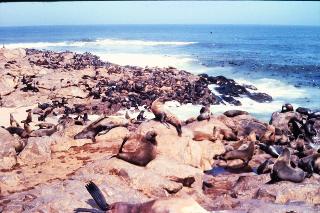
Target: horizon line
249 24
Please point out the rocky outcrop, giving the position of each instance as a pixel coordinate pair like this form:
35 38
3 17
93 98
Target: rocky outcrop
37 151
7 150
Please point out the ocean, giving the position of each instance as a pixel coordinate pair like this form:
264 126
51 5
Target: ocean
283 61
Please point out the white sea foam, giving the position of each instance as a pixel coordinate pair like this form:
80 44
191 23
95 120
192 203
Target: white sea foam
99 42
142 60
276 88
118 42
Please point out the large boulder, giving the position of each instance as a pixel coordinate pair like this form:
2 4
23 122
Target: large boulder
183 149
280 120
37 151
8 156
63 140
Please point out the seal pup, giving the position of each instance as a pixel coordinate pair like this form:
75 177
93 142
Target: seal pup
161 205
286 108
13 121
102 124
163 115
244 154
283 171
143 154
204 113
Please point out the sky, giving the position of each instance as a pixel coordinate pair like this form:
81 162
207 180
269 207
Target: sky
156 12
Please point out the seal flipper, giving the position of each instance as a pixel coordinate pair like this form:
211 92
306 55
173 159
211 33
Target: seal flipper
97 196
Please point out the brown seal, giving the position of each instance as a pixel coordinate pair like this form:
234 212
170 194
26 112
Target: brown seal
29 117
43 132
204 113
144 153
161 205
102 124
234 113
13 121
283 171
164 116
310 164
243 154
286 108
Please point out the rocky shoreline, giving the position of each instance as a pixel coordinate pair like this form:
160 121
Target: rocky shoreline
227 162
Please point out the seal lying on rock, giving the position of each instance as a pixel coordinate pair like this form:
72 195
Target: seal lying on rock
102 124
310 164
204 113
144 154
243 154
163 115
283 171
234 113
168 205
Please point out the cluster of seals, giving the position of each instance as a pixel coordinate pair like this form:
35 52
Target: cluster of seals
230 89
297 158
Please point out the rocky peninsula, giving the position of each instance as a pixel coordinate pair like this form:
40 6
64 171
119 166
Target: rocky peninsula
63 127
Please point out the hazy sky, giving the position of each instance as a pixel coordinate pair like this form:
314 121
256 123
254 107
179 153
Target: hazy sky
169 12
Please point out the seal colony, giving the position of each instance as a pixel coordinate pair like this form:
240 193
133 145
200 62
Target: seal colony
152 161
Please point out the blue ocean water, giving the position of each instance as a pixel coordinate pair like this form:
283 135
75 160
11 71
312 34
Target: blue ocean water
283 61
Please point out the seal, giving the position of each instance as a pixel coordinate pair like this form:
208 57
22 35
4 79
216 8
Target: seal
144 153
141 116
13 121
44 125
315 114
29 117
204 113
243 154
102 124
265 167
286 108
283 171
310 164
164 116
296 126
304 111
43 132
269 149
161 205
234 113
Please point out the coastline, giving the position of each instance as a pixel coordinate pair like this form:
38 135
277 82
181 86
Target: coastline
49 172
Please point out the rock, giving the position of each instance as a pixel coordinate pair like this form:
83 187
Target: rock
118 133
183 149
280 120
246 124
63 141
260 97
71 92
37 151
8 156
